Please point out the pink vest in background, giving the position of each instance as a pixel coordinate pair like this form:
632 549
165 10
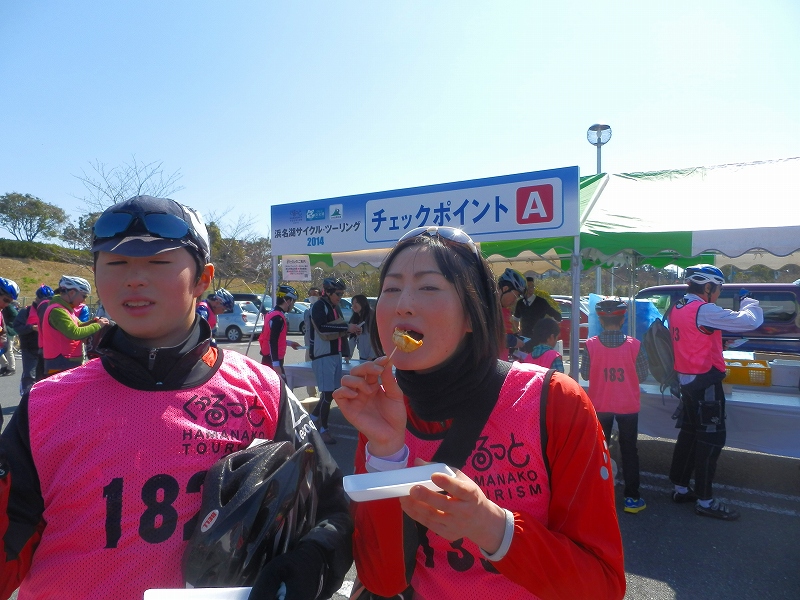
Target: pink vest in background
281 337
212 318
613 382
695 352
55 343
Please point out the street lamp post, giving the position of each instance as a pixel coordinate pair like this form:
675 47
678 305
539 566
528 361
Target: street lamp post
598 135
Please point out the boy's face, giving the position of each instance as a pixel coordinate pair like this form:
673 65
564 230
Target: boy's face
5 300
152 298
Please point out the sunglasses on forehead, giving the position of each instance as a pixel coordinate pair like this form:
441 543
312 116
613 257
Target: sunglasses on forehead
159 224
450 234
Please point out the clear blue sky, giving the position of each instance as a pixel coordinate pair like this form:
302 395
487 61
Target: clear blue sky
261 103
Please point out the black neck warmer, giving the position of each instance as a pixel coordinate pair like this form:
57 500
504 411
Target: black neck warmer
454 389
139 367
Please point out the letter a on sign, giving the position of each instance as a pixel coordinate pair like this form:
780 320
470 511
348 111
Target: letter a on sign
535 204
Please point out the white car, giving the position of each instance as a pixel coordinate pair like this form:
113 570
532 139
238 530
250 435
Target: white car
240 322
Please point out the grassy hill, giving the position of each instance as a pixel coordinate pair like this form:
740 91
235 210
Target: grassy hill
30 273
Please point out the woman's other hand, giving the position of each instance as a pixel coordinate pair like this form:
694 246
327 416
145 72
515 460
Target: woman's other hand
372 402
465 512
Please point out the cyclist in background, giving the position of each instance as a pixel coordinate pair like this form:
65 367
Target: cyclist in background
62 332
273 344
696 325
215 304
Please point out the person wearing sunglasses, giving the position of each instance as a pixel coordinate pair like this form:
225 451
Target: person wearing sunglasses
530 511
102 467
328 338
63 333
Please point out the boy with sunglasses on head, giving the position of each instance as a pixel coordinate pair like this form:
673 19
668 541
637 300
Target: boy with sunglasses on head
121 483
62 332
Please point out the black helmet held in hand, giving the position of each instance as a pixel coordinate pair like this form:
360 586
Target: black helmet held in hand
257 504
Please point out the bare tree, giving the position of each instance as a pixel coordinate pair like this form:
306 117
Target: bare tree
107 186
78 235
237 252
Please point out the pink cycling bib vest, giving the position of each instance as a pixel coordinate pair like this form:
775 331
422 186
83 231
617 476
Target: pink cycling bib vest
509 467
545 360
121 473
613 381
40 308
695 352
55 343
282 336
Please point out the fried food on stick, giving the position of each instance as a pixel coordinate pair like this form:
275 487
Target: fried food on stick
405 342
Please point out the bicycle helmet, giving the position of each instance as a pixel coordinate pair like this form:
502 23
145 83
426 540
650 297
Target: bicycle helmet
146 226
334 283
224 297
510 278
704 274
610 308
257 504
10 287
287 291
44 291
68 282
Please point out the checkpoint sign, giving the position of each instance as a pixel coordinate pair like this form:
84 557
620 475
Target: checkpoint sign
513 207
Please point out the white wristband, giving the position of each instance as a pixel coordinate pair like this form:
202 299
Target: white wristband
276 363
506 543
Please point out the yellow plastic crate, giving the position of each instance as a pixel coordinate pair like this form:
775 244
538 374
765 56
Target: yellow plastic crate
748 372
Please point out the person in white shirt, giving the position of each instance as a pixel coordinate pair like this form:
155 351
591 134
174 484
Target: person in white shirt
696 325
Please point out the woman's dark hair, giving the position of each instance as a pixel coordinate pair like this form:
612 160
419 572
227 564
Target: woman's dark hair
366 309
543 329
476 288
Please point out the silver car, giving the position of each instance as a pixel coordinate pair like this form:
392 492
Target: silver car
295 317
239 322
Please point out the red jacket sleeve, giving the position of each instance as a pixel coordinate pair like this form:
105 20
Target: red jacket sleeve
578 555
378 545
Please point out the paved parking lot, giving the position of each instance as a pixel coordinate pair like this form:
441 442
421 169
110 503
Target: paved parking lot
670 553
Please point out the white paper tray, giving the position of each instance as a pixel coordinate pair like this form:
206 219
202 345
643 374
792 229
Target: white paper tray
240 593
392 484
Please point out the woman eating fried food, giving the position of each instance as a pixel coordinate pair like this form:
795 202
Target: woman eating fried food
530 512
